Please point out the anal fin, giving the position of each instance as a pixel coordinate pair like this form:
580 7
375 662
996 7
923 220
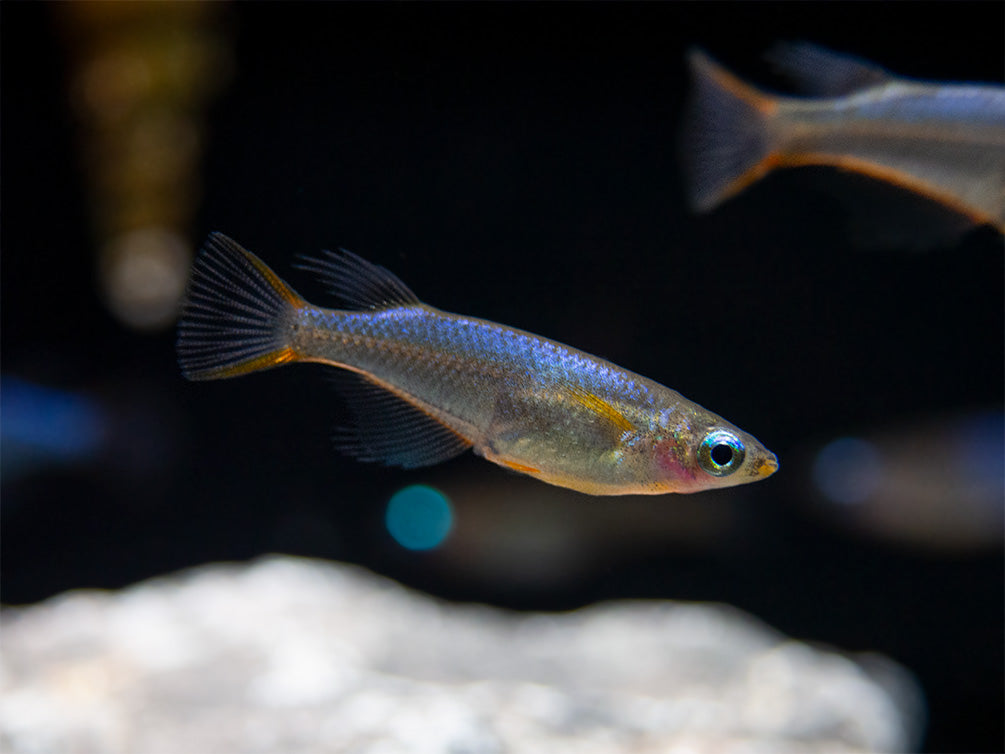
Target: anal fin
388 429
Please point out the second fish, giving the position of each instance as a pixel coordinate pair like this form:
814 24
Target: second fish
432 384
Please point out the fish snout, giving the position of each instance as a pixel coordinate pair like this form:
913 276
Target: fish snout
767 466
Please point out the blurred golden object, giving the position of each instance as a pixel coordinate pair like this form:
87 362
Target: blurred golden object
143 273
141 77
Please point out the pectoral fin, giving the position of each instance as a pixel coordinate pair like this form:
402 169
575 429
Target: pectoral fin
603 409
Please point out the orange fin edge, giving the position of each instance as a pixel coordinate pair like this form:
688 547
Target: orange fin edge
518 466
892 176
265 361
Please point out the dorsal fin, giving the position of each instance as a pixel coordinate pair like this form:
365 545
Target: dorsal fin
359 283
815 70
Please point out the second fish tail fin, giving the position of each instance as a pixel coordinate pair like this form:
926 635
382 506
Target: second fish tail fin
238 315
727 144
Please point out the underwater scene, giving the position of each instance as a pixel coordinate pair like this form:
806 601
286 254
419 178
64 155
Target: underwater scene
489 377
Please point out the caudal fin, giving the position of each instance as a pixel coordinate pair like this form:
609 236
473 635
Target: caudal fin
727 143
237 314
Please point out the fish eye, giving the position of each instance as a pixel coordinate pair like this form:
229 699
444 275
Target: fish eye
721 453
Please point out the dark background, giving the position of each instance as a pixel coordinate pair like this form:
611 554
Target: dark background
519 163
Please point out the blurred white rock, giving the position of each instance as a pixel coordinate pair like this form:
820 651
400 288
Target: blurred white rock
297 656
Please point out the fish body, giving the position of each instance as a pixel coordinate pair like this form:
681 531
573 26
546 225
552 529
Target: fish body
430 384
943 141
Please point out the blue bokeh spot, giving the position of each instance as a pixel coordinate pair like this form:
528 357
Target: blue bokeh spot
419 517
45 421
848 470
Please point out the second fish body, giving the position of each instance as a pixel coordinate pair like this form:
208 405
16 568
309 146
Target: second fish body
942 141
431 384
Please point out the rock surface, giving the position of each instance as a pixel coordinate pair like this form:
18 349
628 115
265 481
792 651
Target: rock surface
297 656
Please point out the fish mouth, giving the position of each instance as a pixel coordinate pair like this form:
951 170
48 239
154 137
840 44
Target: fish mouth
766 467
